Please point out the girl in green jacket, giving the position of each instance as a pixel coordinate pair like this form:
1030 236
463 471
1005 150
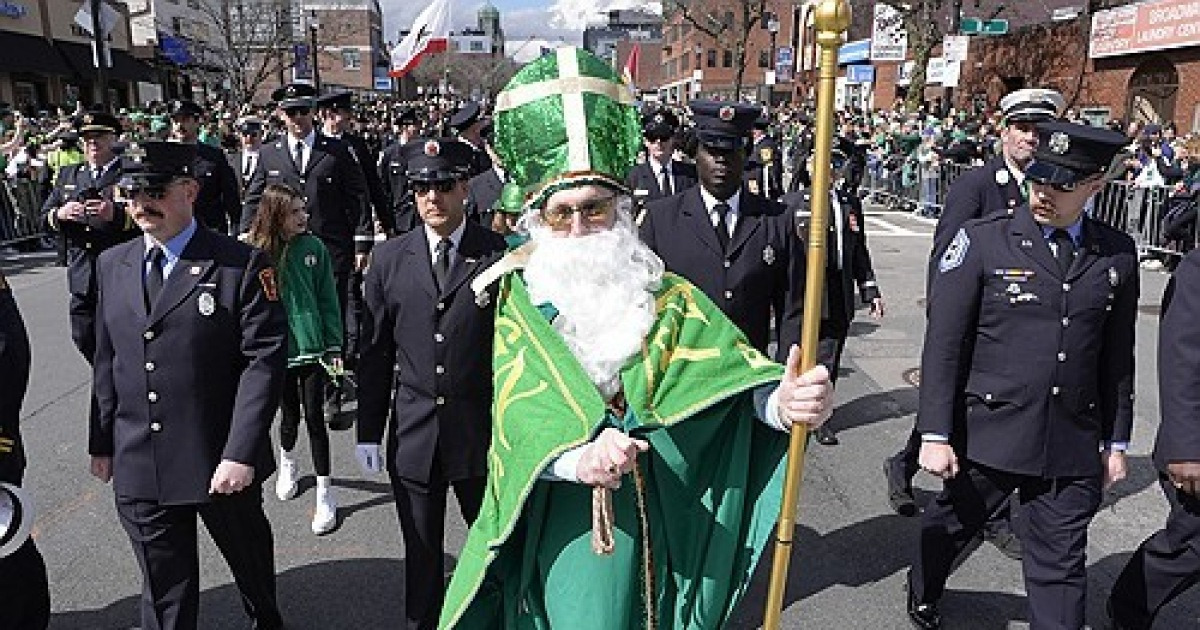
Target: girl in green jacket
306 287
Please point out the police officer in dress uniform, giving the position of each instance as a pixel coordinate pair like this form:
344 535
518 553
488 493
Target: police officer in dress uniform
337 115
178 438
765 165
423 316
468 123
245 159
661 175
996 187
393 173
1027 378
742 250
1167 563
333 186
26 600
219 204
848 266
83 209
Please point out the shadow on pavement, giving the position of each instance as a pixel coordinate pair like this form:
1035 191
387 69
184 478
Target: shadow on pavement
366 593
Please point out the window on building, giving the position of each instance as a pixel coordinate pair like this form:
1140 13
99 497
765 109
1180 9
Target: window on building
351 59
727 59
698 61
177 25
476 46
712 58
194 4
764 59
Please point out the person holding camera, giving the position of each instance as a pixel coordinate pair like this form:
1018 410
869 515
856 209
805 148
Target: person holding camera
83 211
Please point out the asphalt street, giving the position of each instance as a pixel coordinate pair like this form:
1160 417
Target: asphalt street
851 550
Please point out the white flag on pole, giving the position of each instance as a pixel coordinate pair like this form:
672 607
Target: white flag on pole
430 33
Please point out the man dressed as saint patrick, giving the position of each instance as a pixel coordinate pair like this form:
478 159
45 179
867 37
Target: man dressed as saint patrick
638 441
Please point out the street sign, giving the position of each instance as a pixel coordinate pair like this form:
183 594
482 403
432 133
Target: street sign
977 26
954 47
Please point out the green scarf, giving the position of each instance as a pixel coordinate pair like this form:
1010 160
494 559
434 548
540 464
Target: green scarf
713 476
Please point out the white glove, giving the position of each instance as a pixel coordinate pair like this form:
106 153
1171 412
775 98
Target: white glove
369 458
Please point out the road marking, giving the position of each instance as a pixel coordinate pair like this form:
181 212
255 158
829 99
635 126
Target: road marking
879 227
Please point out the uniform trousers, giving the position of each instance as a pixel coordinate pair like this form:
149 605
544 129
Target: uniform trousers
1053 532
422 511
164 542
82 312
1164 566
26 593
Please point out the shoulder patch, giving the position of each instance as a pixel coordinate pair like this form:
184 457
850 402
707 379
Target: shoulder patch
955 252
270 288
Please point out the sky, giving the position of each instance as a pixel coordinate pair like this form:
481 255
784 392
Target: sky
528 24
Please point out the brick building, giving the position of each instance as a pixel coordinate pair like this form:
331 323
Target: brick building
349 43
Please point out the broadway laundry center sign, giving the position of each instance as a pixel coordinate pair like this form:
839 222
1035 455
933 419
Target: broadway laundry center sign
1156 25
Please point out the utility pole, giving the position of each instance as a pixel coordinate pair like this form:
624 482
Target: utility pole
956 9
98 54
313 25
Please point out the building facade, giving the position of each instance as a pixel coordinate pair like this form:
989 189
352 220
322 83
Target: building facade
47 57
348 37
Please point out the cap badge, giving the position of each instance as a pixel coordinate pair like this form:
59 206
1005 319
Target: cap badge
206 304
1059 143
483 299
135 152
725 113
658 119
432 148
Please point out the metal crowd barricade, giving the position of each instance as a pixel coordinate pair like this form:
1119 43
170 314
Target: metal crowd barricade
912 187
1140 212
20 218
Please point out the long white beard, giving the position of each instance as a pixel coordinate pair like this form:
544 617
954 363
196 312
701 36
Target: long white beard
602 285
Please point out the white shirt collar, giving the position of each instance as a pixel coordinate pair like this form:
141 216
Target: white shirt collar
308 140
433 238
734 203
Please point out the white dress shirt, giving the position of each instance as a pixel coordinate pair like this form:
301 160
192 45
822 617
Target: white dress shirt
734 203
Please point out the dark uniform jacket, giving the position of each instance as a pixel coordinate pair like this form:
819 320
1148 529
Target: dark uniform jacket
482 192
333 188
375 195
645 185
765 176
855 272
1027 369
219 202
194 381
235 162
761 277
442 342
393 174
14 366
991 188
1179 367
87 239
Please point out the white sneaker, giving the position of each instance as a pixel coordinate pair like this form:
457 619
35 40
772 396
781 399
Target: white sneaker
286 486
325 517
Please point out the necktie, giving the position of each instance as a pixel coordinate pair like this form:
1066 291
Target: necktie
154 279
299 156
722 225
248 169
1064 248
441 263
664 183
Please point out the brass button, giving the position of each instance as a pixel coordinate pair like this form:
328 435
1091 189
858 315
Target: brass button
729 295
439 401
441 369
155 427
438 337
728 264
148 335
1055 390
1066 321
441 306
1062 356
152 397
150 366
1066 286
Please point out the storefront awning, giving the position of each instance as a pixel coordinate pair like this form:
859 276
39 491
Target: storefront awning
29 53
125 66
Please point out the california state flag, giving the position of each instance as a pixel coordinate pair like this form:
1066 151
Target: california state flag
430 33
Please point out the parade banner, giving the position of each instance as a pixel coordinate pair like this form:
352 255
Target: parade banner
889 40
1155 25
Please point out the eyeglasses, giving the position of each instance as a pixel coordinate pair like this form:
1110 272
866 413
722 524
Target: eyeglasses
155 192
297 111
595 213
442 186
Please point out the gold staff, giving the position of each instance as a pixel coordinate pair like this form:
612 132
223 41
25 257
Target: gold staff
831 18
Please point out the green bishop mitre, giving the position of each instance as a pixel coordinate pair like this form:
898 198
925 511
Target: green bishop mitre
512 199
564 120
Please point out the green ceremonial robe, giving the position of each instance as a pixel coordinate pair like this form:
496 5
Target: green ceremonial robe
713 478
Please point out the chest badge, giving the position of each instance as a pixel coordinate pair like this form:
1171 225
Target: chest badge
1014 288
1026 243
310 260
1114 278
206 304
483 299
769 255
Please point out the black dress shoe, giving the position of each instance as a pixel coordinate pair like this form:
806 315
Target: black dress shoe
900 493
826 436
924 616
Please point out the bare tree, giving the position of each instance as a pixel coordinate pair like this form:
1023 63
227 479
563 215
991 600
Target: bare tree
729 29
467 72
